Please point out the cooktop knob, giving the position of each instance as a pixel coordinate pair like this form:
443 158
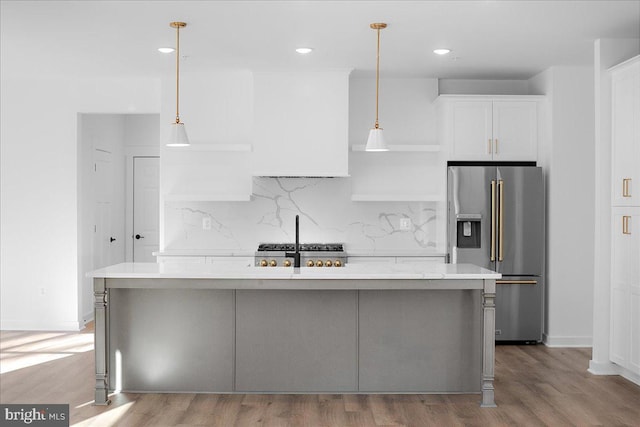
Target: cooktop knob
273 263
338 263
328 263
287 263
319 263
263 263
310 263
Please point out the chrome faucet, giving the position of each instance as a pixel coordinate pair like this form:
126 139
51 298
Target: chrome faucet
296 254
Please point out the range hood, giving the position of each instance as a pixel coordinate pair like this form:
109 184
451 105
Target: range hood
301 123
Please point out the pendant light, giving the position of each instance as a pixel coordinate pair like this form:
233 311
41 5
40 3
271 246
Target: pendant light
178 137
376 138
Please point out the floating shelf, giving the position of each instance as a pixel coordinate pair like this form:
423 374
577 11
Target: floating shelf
214 147
396 198
207 198
404 148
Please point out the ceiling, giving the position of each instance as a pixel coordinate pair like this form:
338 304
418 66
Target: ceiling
508 39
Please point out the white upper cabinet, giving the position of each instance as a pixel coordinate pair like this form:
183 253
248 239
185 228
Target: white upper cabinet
301 123
485 128
625 133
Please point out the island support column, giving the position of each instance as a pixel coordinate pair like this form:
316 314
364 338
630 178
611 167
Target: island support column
101 304
488 342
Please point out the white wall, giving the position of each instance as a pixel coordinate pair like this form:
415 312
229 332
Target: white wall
39 191
607 53
568 158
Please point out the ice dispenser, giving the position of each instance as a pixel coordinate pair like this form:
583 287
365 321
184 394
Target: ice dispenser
468 230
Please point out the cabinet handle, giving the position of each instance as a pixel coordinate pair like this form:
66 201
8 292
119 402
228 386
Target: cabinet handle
489 146
496 145
625 187
625 224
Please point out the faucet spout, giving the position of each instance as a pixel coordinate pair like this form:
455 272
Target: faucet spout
296 254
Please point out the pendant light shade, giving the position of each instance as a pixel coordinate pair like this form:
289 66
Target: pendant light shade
376 140
178 136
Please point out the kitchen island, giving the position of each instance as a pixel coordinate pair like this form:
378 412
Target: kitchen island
365 328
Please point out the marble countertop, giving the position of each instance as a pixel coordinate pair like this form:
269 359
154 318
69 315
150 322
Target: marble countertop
360 271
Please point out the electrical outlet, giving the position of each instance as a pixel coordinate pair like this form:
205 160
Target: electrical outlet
405 224
206 223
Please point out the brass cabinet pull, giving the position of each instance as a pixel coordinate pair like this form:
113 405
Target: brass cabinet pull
501 220
625 224
496 145
625 187
489 146
516 282
493 220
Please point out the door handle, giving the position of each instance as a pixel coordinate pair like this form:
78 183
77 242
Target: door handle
492 254
625 224
138 237
501 221
112 239
625 187
516 282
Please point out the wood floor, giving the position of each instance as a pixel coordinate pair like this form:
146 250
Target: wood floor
535 385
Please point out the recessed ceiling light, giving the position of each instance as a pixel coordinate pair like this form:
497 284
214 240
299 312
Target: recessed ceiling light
304 50
441 51
166 49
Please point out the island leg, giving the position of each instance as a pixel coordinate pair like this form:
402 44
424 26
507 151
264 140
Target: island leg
100 340
488 342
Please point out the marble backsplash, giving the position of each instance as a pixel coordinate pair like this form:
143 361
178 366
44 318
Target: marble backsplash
326 211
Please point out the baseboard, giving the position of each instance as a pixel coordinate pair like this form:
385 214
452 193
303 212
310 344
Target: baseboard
554 341
603 368
610 368
25 325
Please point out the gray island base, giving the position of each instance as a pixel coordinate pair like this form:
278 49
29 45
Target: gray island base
358 329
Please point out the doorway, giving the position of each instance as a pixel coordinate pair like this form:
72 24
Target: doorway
146 208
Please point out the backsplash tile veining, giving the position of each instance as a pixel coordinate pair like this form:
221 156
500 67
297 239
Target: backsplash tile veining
326 211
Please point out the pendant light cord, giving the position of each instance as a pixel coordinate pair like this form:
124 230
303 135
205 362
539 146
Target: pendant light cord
177 74
377 78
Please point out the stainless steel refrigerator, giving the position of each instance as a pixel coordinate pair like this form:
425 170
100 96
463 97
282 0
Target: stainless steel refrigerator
496 221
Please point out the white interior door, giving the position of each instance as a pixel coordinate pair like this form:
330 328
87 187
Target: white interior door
146 208
105 244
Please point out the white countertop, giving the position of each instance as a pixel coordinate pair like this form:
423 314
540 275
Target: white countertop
248 253
360 271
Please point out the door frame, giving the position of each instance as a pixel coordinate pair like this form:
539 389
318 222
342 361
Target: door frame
131 153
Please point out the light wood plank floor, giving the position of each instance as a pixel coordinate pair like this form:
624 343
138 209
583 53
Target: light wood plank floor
535 385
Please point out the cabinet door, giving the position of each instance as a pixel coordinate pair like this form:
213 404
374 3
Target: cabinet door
515 131
469 128
625 134
625 288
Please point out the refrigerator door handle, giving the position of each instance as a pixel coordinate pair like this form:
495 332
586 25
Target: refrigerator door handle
493 220
516 282
501 221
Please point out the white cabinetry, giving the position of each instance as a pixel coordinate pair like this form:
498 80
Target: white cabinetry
625 133
489 128
301 123
625 288
625 216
